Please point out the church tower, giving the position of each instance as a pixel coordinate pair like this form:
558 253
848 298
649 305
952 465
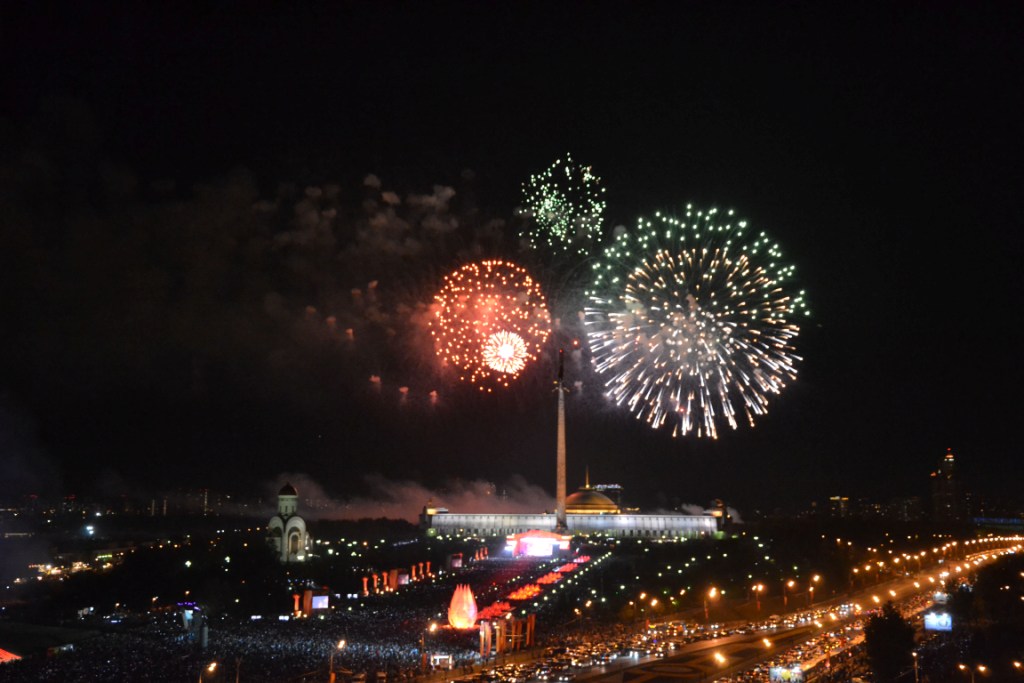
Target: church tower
286 531
287 501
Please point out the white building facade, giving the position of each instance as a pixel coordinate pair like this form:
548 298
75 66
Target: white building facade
621 525
286 531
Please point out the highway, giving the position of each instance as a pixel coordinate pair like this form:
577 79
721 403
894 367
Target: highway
697 661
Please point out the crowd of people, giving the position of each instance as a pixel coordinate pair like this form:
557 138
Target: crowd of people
386 634
376 639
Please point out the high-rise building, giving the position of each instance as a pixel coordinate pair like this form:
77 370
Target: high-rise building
907 509
947 494
839 506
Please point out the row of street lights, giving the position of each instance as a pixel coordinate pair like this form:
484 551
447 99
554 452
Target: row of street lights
713 593
790 584
982 669
1018 666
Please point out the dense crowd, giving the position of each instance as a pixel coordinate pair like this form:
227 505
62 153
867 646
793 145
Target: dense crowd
382 634
162 650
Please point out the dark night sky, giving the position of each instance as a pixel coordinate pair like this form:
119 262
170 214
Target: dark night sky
153 325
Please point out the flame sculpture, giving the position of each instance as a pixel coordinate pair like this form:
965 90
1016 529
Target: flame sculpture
462 611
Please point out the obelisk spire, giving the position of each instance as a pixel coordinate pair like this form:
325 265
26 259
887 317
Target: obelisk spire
560 524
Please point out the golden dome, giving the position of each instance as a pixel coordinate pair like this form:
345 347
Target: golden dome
588 501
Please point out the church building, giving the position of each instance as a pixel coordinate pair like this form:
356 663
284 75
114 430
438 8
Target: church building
286 531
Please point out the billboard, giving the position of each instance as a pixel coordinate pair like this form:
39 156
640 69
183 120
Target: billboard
938 621
312 601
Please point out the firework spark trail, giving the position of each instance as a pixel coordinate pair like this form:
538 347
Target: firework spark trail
566 203
490 322
691 322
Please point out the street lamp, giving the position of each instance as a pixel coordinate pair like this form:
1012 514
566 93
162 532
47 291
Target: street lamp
711 595
914 655
758 587
423 645
209 669
785 596
810 588
330 668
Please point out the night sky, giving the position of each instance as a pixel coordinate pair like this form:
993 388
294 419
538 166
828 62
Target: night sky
184 201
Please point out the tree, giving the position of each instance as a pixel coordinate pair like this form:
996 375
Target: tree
888 639
990 617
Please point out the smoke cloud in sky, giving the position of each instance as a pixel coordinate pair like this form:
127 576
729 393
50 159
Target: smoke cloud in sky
228 305
403 499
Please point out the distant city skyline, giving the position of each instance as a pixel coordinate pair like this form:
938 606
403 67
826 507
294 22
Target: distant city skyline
480 497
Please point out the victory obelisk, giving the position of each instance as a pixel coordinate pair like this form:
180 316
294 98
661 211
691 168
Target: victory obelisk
560 525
